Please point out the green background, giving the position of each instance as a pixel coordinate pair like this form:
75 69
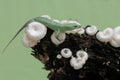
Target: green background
17 63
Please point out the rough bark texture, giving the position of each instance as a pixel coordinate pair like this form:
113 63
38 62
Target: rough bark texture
102 64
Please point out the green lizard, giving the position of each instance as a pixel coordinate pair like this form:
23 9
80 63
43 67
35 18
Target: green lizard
59 27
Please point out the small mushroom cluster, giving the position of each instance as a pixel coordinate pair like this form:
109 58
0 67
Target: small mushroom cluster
36 31
79 54
75 62
110 35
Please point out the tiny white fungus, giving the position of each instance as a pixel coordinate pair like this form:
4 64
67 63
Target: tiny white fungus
61 38
114 43
27 42
117 29
118 70
105 36
80 60
36 31
82 54
77 63
116 35
59 56
81 31
91 30
66 52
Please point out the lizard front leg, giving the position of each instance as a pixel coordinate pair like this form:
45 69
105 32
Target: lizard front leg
57 35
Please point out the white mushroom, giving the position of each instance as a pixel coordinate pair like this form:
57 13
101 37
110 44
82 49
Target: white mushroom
59 56
66 52
82 54
27 42
72 61
116 35
114 43
46 16
80 60
81 31
61 38
36 31
91 30
105 36
77 63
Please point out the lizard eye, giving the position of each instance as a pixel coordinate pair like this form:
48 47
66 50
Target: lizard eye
77 26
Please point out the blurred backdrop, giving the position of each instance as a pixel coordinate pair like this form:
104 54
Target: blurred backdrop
17 63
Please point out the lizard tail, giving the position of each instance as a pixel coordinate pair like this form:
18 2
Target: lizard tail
16 35
12 39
